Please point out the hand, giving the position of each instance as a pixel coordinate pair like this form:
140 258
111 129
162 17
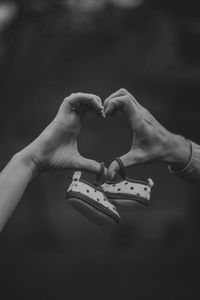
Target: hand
56 147
151 141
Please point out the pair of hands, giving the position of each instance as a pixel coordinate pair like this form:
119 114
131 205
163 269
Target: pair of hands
56 147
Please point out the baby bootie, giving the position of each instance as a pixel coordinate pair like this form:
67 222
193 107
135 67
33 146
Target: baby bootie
90 200
128 192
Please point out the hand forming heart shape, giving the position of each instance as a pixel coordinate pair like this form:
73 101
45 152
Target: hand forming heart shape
56 147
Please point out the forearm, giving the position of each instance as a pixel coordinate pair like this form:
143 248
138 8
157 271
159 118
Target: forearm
13 182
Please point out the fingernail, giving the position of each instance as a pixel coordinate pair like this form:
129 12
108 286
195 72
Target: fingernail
112 175
103 113
106 111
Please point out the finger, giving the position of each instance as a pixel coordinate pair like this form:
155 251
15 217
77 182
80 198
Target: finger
101 112
98 98
121 92
114 104
93 103
90 165
79 94
122 103
114 168
74 101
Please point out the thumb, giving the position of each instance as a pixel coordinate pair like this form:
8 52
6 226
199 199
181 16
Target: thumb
114 168
90 165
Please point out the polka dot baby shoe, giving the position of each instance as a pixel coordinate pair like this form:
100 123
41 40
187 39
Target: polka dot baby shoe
128 192
91 201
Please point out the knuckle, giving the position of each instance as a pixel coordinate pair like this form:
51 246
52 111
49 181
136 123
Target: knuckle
66 99
146 111
99 99
123 90
112 101
113 104
93 101
105 103
126 99
70 97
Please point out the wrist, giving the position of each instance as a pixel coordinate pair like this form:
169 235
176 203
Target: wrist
28 160
177 152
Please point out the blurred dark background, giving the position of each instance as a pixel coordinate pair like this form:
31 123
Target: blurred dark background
51 48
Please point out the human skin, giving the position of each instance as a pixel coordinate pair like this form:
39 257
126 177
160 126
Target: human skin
151 141
54 149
